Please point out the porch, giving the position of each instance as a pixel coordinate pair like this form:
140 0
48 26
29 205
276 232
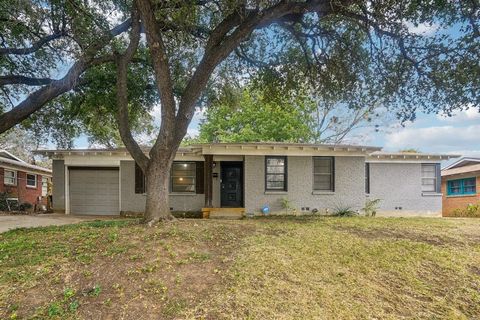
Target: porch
224 180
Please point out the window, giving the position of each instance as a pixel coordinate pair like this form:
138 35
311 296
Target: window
10 177
31 180
430 177
323 173
276 173
461 187
44 186
183 177
367 178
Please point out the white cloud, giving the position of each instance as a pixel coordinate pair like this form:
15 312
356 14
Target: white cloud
461 116
437 139
423 29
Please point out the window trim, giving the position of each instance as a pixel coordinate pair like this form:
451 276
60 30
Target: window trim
194 178
462 187
26 180
437 178
332 174
285 174
15 180
45 181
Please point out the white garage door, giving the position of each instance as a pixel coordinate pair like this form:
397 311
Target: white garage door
94 191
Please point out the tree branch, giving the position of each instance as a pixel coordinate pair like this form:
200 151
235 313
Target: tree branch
29 81
37 99
162 76
37 45
122 95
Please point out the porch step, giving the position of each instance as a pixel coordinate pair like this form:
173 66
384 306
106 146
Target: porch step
223 213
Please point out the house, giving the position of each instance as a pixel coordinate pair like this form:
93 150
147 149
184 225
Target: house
24 182
459 186
249 176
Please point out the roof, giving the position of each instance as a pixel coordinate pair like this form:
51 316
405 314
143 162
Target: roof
20 164
230 149
464 161
381 155
8 155
270 148
460 170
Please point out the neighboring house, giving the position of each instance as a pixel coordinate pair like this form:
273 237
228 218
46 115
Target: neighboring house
460 182
23 181
315 178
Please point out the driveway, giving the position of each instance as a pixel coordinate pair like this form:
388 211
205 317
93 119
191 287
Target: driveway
43 220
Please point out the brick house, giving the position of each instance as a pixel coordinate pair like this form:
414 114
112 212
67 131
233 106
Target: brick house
23 181
231 179
459 186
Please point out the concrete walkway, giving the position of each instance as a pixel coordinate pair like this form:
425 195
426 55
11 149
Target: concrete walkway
43 220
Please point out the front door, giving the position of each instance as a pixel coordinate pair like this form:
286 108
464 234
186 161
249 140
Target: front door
231 184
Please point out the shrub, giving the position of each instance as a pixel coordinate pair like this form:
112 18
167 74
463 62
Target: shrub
344 211
371 207
472 210
286 204
25 206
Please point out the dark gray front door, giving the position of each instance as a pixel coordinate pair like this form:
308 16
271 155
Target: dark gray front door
231 186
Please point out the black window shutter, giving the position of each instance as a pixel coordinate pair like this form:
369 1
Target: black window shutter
438 180
139 180
333 174
200 177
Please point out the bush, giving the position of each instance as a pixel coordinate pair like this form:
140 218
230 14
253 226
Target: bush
25 206
188 214
371 207
14 206
3 201
472 210
344 211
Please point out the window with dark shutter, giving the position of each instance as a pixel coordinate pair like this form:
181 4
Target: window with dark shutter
324 173
139 180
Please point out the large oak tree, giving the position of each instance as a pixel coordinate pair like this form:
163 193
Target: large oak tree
347 47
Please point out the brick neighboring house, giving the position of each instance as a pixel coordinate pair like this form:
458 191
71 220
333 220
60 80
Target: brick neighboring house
26 182
460 182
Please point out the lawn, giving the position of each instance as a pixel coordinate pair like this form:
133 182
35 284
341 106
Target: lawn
278 268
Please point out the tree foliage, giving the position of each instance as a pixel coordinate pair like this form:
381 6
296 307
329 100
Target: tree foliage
251 116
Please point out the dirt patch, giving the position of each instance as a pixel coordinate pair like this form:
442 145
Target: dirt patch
130 272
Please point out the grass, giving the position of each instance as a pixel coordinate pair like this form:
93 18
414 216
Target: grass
276 268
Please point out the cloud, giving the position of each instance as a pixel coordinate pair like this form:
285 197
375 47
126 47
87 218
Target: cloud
423 29
461 116
435 138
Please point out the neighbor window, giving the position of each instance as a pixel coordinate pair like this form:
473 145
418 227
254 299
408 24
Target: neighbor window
183 177
31 180
323 173
460 187
276 173
10 177
367 178
430 177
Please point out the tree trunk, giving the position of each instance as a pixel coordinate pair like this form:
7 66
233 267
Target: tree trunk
157 183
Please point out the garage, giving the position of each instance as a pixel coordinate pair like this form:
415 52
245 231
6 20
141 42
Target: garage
94 191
